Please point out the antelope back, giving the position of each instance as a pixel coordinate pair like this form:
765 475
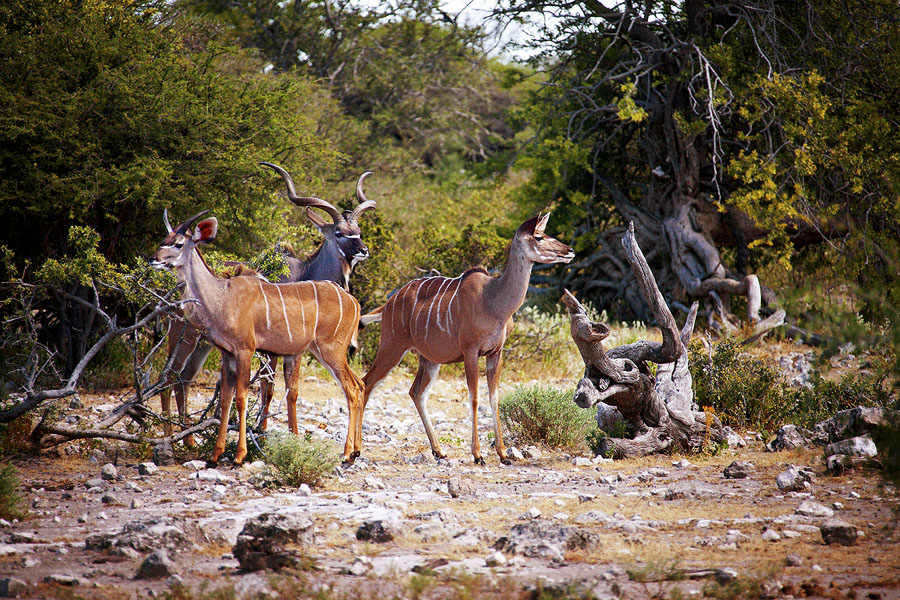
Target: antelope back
289 318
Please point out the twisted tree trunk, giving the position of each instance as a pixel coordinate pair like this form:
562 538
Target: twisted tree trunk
659 410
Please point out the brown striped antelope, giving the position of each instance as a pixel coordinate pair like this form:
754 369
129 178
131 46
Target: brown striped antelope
341 248
241 315
451 320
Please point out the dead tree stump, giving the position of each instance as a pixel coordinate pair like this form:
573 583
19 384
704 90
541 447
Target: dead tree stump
659 410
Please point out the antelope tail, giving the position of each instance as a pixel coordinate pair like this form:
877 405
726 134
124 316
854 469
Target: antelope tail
372 317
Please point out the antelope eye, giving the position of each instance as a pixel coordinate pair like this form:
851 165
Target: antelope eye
338 234
538 237
179 245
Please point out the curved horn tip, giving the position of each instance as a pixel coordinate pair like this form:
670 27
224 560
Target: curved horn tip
166 220
184 226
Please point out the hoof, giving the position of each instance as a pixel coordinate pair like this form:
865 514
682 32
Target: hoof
506 461
438 455
479 461
354 455
212 464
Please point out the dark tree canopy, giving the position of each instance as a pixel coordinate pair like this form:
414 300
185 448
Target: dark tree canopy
409 70
111 112
732 134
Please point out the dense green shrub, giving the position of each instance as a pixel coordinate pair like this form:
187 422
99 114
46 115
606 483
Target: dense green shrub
826 397
10 497
744 391
299 459
450 252
748 393
547 416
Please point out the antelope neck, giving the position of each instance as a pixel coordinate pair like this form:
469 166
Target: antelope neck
504 295
200 284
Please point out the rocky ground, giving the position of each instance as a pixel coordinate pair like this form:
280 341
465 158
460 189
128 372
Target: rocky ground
399 524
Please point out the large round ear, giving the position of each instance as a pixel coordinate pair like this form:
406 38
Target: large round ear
316 219
206 230
527 228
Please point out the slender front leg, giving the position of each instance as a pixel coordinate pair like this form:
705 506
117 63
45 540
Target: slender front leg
492 372
226 392
242 375
471 364
419 394
292 383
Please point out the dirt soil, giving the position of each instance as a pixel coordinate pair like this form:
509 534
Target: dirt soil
663 522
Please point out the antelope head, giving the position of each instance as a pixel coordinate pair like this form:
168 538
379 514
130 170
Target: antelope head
343 233
538 246
176 248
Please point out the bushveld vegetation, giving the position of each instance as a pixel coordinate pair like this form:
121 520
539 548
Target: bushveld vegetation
728 120
300 459
546 416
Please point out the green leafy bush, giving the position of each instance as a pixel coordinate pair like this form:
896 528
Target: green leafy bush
299 459
547 416
744 391
541 341
10 498
452 251
748 393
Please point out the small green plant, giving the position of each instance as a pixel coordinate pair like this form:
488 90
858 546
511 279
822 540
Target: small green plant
299 459
744 391
451 440
664 570
10 496
545 415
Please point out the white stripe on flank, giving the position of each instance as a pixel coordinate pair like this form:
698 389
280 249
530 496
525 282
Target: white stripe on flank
316 296
340 308
412 316
399 304
400 307
302 310
266 300
441 301
393 312
450 304
421 310
287 323
431 306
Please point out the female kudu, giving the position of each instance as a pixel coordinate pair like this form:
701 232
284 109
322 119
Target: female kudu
243 314
451 320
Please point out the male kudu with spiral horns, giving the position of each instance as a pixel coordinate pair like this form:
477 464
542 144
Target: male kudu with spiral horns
341 248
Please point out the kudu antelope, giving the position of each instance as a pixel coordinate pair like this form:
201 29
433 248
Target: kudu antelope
341 248
243 314
451 320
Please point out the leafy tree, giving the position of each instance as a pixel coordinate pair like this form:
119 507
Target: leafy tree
418 77
111 112
732 134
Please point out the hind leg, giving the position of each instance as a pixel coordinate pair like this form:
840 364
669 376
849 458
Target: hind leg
335 360
419 393
385 360
292 383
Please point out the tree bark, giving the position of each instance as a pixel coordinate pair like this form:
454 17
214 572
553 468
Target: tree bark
659 410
